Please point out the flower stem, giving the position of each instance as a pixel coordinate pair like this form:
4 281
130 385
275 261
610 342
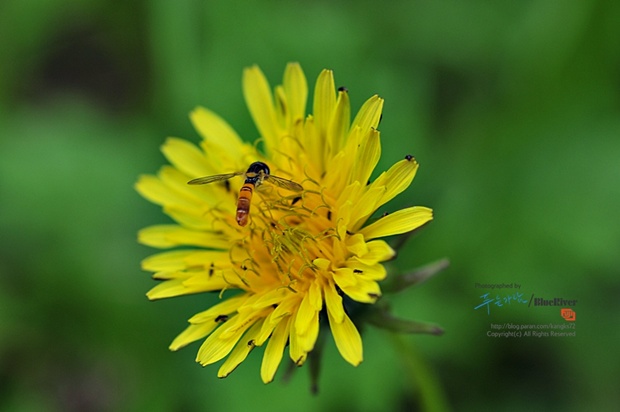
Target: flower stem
424 380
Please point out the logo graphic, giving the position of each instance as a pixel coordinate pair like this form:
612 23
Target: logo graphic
568 314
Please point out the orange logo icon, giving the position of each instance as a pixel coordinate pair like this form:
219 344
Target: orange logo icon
568 314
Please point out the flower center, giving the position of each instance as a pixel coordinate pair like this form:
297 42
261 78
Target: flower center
286 235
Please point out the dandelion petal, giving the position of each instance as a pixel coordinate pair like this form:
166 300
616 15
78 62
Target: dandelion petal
260 102
192 333
347 338
274 351
398 222
241 351
296 90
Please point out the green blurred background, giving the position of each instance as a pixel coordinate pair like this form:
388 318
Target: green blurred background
512 109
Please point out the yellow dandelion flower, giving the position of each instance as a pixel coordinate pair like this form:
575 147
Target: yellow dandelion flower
304 248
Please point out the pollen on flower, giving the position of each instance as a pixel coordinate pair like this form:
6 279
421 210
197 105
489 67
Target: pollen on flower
295 239
303 247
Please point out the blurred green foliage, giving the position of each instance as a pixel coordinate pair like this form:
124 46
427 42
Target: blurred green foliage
512 109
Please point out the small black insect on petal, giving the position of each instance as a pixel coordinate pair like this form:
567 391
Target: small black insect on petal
357 271
221 318
409 158
343 89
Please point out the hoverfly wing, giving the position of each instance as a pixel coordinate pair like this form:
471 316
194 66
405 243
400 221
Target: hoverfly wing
284 183
215 178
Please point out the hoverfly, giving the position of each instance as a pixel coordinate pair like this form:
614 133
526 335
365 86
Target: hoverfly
257 173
